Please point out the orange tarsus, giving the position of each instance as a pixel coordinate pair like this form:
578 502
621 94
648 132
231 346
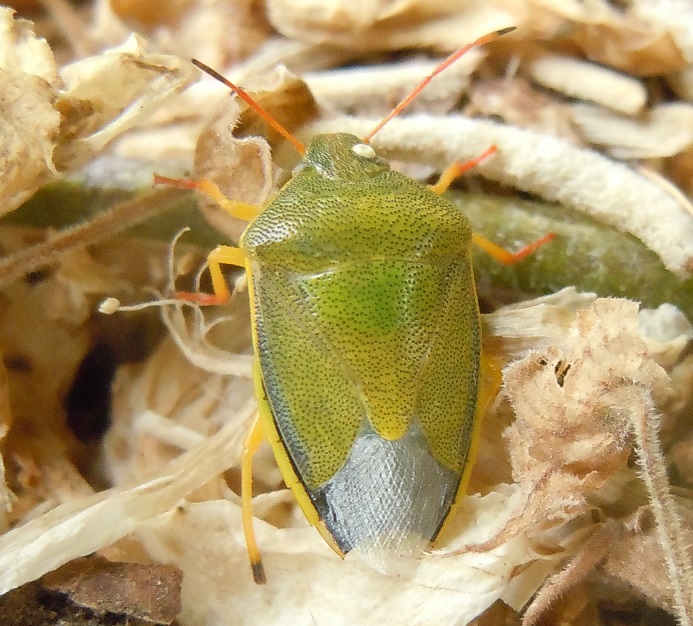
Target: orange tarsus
203 299
248 99
505 256
181 183
446 63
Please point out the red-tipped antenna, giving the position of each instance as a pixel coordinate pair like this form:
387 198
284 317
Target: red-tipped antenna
243 95
449 61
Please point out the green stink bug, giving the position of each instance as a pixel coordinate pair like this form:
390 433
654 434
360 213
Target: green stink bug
368 367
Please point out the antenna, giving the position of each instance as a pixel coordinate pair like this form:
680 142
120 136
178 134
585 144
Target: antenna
446 63
248 99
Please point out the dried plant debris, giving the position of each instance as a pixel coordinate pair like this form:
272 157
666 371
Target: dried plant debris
96 591
58 119
150 593
571 516
588 81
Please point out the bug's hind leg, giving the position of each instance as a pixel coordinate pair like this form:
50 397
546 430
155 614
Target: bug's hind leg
505 256
252 442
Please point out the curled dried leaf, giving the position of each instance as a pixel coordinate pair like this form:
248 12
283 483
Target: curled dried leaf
111 92
664 130
588 81
30 123
243 168
384 25
563 423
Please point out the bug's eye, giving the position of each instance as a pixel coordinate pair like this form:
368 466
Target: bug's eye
363 150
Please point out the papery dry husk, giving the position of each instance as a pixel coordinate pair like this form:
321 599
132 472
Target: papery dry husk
56 120
174 451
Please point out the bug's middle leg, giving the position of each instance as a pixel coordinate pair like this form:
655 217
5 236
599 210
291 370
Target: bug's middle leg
221 255
497 252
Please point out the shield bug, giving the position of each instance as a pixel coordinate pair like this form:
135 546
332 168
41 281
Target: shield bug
368 369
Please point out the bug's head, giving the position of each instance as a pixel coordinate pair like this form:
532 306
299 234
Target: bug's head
342 156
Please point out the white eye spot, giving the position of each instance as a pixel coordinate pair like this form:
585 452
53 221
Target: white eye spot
363 150
299 168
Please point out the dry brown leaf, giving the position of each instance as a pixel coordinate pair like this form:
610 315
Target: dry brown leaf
54 123
140 592
681 454
601 388
6 495
243 168
108 94
151 13
29 123
516 102
635 557
22 52
679 24
219 32
562 423
630 47
620 38
385 25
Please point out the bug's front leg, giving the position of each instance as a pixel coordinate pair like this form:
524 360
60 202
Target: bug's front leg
455 170
221 255
235 208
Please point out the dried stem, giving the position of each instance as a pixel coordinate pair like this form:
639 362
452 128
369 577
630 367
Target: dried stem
108 223
591 553
644 425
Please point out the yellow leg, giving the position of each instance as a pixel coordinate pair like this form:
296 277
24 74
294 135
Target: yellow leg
221 255
505 256
241 210
250 445
457 169
497 252
491 379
